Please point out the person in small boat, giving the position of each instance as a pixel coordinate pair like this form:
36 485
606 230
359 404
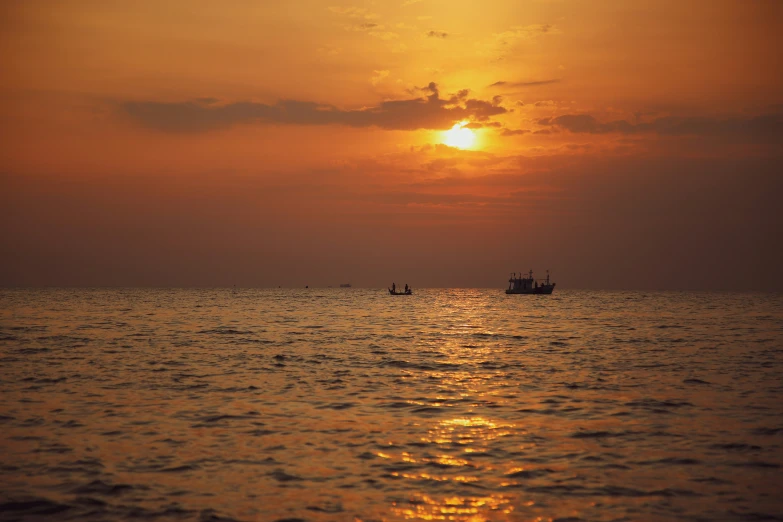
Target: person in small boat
394 287
406 288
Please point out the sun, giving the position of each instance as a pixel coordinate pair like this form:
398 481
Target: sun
459 136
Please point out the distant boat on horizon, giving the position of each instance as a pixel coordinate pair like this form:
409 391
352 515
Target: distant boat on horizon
345 285
528 285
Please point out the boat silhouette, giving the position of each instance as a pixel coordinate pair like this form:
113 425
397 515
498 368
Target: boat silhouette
528 285
409 291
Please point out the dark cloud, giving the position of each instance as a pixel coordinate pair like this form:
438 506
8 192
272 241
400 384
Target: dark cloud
513 132
763 127
459 96
429 112
437 34
483 110
477 125
513 85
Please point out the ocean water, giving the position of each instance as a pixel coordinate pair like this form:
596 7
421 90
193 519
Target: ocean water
349 404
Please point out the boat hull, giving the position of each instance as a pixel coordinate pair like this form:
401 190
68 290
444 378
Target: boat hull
541 290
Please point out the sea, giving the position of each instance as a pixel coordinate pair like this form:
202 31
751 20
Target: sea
348 404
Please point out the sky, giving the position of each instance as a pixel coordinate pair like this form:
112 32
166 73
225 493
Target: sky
620 144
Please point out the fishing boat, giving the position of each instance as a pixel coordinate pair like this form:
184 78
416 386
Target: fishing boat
407 292
528 285
345 285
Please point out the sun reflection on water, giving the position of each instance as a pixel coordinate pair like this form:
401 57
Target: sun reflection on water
468 430
467 435
457 508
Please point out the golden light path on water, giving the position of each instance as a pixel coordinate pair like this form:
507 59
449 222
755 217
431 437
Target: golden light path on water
333 405
470 433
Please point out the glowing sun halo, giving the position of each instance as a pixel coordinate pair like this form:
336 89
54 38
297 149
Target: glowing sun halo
459 136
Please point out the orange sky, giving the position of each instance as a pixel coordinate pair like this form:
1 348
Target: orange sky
623 144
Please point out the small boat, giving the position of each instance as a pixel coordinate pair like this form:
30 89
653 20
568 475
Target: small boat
409 291
345 285
528 285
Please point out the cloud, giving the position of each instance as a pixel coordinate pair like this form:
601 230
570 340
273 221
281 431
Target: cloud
378 77
524 33
427 112
477 125
758 127
514 85
503 45
410 2
329 50
528 31
437 34
357 14
384 35
373 29
352 12
364 26
513 132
